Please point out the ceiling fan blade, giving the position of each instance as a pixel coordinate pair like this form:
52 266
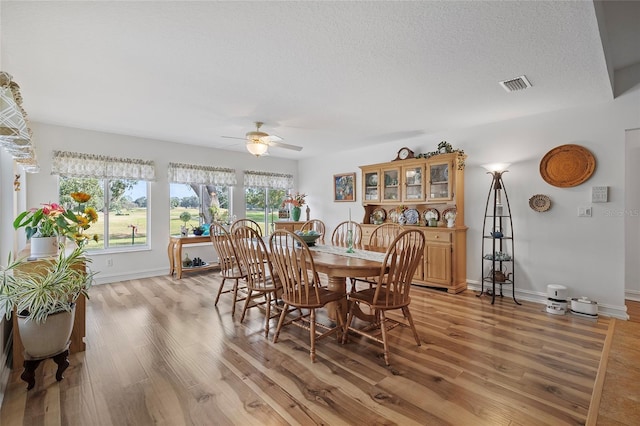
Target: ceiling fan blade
233 137
271 138
285 146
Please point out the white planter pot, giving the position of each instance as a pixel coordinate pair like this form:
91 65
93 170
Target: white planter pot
50 337
44 246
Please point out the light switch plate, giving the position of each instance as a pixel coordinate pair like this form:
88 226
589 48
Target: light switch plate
599 194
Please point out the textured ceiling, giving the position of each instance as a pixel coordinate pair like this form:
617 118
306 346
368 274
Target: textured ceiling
326 76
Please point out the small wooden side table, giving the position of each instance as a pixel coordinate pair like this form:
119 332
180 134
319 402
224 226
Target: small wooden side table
174 250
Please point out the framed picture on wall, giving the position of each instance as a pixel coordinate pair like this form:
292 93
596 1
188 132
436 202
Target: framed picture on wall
344 187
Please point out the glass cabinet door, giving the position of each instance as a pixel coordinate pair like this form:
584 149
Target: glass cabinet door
391 185
371 183
413 189
439 188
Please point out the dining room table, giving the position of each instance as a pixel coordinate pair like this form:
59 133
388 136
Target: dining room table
339 265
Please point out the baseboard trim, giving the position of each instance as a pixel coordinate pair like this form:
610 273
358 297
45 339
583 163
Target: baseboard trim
613 311
632 295
103 278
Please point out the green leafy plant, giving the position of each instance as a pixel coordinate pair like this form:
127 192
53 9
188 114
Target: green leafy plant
185 217
47 290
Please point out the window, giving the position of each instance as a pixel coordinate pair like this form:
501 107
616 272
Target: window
205 203
264 193
119 192
122 209
202 191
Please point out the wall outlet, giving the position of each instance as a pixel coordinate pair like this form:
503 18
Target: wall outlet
109 261
584 211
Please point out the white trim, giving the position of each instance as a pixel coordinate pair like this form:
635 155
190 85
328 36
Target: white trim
619 312
632 295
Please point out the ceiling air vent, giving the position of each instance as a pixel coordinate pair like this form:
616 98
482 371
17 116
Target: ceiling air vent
515 84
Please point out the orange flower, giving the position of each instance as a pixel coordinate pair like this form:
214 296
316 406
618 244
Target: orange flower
80 197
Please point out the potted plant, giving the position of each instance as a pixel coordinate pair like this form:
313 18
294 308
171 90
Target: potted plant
42 228
44 299
185 217
52 221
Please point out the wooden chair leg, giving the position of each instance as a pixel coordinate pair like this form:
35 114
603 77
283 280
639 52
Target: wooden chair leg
312 334
235 296
385 343
219 292
267 297
347 323
280 322
407 315
246 305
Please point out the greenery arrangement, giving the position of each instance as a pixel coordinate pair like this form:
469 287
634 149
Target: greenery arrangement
45 291
445 147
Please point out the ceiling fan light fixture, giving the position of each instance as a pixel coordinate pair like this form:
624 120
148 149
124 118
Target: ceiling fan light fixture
257 147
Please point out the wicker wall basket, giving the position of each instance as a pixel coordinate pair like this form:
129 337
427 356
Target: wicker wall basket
566 166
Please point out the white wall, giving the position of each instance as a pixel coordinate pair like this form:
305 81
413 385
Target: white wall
43 187
555 247
632 215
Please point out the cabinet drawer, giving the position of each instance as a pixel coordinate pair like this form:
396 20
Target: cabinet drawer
438 236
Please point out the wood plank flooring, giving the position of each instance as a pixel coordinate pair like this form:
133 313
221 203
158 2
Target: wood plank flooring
159 352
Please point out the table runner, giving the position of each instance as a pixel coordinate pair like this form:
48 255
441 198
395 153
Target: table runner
342 251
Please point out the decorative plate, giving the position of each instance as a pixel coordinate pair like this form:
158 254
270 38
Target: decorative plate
379 215
372 180
445 211
394 216
566 166
430 213
540 203
412 216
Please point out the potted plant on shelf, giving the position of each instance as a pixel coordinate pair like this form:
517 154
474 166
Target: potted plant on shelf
43 294
185 217
45 226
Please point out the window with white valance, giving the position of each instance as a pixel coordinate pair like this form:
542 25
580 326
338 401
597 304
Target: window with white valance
253 179
206 175
74 164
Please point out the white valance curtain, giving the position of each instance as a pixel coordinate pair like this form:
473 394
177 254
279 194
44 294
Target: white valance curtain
204 175
74 164
253 179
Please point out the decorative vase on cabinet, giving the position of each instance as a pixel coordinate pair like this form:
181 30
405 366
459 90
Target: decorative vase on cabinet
295 214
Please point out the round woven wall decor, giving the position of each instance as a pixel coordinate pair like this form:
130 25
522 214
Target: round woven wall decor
567 165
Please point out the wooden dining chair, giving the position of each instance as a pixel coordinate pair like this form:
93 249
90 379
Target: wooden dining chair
262 283
316 225
340 233
380 238
391 292
246 222
230 265
301 288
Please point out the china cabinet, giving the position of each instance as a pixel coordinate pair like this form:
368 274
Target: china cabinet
411 191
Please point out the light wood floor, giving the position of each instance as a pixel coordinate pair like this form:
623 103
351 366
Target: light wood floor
159 352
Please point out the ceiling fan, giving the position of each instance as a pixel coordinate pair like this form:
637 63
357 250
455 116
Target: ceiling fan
258 142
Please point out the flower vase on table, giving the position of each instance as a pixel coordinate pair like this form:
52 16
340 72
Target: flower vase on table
295 213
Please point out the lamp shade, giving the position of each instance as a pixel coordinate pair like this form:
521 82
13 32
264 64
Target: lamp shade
257 147
496 167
